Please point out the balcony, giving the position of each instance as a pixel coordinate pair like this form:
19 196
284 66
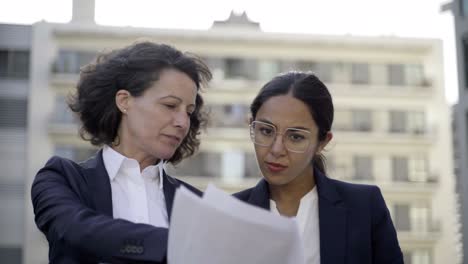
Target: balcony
421 233
64 80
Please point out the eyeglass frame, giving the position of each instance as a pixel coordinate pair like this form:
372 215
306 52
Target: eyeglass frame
252 136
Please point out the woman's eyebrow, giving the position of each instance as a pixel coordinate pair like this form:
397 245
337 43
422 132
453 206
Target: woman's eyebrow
300 127
176 98
171 96
296 127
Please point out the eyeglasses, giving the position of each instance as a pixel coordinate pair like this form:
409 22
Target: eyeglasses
294 139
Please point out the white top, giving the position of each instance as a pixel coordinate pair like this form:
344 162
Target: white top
137 197
308 221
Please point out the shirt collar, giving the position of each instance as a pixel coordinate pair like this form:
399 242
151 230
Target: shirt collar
113 162
310 196
306 200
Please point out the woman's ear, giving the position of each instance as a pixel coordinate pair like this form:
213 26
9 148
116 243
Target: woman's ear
325 142
122 100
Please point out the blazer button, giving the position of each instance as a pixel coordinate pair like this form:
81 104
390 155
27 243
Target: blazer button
127 249
140 250
133 249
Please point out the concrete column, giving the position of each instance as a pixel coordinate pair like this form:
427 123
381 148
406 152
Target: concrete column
233 163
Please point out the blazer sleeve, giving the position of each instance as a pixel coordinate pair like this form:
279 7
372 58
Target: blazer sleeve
63 214
385 246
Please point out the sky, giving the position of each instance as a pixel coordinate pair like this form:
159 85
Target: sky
406 18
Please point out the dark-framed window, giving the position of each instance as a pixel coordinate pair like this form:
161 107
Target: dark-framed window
13 112
14 64
363 168
402 217
400 169
465 60
396 74
362 120
398 121
464 8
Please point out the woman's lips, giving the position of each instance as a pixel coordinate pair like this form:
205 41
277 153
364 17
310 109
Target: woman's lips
173 139
275 167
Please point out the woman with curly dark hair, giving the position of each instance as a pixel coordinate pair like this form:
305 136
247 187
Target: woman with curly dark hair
142 105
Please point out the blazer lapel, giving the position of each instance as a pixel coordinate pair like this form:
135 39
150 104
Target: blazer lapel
169 185
332 221
260 195
99 183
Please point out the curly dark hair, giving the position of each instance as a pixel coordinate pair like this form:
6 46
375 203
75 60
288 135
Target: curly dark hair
134 68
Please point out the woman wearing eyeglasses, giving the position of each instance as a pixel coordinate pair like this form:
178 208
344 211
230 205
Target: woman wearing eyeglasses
339 222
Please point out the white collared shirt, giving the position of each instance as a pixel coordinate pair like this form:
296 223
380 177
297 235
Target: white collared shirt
136 196
308 220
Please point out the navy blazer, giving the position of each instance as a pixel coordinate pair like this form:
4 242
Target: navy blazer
73 208
354 222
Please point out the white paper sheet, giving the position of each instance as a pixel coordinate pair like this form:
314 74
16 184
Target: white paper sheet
220 229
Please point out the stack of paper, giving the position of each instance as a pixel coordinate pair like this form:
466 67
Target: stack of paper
220 229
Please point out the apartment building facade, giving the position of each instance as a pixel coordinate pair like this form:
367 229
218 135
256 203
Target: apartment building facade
392 123
15 43
459 10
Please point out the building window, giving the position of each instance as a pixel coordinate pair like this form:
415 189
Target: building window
466 136
341 72
74 153
418 169
401 214
268 69
396 74
417 121
362 120
202 164
236 68
360 73
400 169
323 70
465 58
11 254
14 64
414 74
62 113
407 257
307 66
421 257
420 218
4 63
464 7
70 61
398 121
13 113
234 115
363 168
251 167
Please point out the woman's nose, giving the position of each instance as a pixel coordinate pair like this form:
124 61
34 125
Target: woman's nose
278 147
182 120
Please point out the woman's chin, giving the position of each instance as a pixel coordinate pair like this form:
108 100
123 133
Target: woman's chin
165 154
274 179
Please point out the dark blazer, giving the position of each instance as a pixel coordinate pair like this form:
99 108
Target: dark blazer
73 208
355 225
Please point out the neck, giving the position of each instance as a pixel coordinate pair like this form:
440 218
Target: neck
288 196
